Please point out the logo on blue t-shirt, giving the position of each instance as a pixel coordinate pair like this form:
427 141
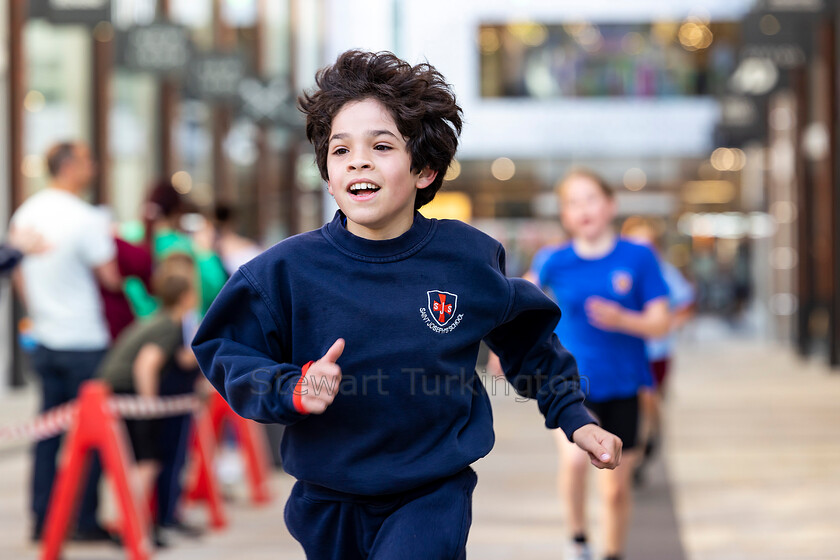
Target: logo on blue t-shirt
440 310
622 282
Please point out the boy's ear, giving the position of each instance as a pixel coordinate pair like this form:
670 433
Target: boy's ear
329 188
426 178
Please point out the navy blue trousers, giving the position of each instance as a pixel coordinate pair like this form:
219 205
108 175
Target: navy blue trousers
61 373
174 441
427 523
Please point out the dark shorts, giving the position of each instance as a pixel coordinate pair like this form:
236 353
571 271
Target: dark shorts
659 369
430 522
619 417
145 438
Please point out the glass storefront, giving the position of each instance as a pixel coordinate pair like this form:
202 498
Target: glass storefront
133 141
57 99
215 153
596 60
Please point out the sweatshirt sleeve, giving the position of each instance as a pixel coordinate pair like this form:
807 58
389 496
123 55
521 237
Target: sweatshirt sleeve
9 258
238 347
535 362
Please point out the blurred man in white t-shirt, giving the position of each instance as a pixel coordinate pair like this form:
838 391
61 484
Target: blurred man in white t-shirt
59 289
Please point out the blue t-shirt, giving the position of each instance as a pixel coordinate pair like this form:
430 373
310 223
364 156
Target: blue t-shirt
541 257
612 365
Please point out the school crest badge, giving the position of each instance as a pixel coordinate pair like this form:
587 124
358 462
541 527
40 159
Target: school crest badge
622 282
442 306
440 311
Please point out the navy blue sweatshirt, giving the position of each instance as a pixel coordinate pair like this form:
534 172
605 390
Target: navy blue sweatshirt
412 310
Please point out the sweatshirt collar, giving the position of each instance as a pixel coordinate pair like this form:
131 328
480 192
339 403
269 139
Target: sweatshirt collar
387 250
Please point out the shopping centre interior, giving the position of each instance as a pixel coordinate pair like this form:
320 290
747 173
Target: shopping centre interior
718 120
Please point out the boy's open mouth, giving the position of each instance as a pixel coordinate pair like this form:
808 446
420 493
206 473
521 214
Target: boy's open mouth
363 190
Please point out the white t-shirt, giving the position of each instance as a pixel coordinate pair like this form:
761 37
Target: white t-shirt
62 295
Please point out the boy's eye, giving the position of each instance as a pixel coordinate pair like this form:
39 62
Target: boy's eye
339 151
382 147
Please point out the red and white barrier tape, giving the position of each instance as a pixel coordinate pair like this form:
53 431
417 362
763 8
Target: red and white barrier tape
135 408
47 425
58 419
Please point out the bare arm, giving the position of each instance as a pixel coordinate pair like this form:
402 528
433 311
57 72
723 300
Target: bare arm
653 321
185 358
109 276
27 240
681 316
147 367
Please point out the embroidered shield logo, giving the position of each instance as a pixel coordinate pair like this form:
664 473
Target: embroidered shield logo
442 306
622 282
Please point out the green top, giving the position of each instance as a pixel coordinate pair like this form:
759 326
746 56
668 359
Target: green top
118 366
211 275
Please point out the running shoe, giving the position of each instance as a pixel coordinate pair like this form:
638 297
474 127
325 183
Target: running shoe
578 551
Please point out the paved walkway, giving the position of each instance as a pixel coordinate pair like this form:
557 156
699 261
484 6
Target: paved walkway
751 471
754 453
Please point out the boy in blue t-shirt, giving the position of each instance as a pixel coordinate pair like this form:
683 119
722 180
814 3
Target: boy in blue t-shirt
362 336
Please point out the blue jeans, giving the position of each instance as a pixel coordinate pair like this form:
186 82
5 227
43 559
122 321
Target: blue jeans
61 373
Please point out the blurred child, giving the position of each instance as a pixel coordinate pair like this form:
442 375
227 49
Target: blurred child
660 349
613 297
135 362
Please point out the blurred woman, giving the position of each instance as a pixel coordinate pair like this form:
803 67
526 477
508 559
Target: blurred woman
164 220
612 296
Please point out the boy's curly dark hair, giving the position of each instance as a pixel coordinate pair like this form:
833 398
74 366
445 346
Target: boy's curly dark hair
420 101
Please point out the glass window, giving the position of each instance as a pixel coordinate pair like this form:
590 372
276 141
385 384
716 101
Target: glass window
133 141
58 93
588 60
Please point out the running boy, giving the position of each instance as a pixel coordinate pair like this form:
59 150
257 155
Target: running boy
382 427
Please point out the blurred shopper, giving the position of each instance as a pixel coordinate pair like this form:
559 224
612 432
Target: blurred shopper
164 221
134 261
20 242
137 362
59 289
234 249
659 350
612 296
